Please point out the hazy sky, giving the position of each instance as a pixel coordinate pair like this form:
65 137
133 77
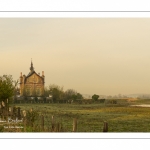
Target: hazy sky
93 56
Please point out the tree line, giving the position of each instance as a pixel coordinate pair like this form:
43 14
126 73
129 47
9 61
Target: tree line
9 88
59 94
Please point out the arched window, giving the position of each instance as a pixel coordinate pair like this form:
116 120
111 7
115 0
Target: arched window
28 91
38 91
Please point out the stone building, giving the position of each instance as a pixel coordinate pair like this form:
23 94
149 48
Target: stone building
32 85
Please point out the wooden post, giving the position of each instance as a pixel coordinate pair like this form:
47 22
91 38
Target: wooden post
57 127
24 119
3 106
42 123
105 128
25 123
74 125
19 115
7 105
0 106
60 127
14 112
31 121
9 110
52 123
0 109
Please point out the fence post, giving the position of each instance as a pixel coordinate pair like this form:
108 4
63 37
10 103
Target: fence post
14 113
24 119
105 128
25 123
42 123
0 108
19 115
9 111
52 123
0 111
5 111
7 107
58 127
74 125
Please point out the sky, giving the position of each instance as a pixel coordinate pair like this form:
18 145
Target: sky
105 56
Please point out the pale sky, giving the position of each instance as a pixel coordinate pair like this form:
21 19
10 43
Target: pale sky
106 56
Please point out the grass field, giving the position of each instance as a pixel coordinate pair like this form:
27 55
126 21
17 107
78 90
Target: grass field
121 117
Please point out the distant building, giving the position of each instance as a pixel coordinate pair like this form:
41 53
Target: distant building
32 85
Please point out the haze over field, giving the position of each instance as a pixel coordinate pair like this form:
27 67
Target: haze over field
91 55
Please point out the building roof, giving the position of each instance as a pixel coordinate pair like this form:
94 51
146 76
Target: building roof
32 71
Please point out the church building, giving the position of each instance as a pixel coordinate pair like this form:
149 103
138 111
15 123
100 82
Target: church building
32 85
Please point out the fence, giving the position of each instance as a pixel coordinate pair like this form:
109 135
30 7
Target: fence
13 119
49 100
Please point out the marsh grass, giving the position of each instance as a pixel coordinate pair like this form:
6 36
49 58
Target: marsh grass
90 117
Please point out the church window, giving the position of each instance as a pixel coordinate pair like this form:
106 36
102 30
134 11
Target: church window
28 92
38 92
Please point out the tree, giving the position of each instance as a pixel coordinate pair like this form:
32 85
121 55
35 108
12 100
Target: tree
46 91
7 87
95 97
72 94
79 96
56 92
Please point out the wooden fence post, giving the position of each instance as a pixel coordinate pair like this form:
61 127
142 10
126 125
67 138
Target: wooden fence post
19 115
7 104
5 112
52 123
74 125
58 127
0 107
25 123
24 120
11 112
105 128
0 111
42 123
14 113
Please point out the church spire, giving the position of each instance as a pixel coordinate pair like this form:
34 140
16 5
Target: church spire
31 68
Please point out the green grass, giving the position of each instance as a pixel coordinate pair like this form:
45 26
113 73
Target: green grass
142 101
120 117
